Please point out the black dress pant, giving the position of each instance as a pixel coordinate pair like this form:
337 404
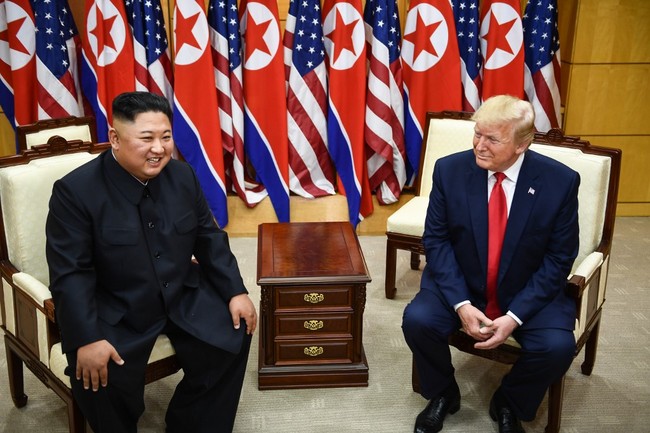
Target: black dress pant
546 354
205 400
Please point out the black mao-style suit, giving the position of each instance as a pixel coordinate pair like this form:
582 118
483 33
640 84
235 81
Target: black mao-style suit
120 258
540 245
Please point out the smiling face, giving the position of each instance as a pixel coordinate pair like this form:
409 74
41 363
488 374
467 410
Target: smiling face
142 147
495 146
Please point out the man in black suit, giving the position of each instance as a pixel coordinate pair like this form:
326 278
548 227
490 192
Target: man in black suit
519 289
122 233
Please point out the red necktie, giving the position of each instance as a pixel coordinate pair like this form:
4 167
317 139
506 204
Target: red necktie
497 220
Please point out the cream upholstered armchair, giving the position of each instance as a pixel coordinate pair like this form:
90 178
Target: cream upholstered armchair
26 308
69 128
445 133
599 170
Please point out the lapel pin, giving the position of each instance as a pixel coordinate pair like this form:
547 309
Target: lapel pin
531 191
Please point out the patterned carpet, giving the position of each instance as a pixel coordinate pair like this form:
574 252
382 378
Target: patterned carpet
614 399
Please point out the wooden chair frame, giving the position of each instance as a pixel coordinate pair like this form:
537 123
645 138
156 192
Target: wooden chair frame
56 126
22 347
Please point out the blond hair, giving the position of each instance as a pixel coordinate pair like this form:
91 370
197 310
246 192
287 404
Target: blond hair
501 109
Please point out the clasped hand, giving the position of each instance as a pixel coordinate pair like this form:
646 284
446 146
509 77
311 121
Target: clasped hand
489 333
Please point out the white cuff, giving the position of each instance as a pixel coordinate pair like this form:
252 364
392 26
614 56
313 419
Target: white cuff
514 317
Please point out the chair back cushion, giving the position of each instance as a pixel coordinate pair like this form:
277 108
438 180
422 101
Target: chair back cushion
25 192
594 173
443 137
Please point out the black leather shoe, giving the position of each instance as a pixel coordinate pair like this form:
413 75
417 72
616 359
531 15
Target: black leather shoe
431 418
501 412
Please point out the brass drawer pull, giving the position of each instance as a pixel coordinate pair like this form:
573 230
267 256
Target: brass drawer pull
313 325
314 298
313 351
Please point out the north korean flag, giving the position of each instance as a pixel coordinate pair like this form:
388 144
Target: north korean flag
502 39
265 103
197 132
18 33
108 60
345 45
431 69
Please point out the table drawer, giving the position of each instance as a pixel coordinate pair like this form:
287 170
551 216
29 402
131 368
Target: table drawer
314 325
292 298
314 352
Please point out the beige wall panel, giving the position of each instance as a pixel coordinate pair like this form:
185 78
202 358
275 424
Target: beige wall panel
567 11
608 100
244 221
634 186
7 136
633 209
612 31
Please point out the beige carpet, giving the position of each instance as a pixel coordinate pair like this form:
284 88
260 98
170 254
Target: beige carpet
615 398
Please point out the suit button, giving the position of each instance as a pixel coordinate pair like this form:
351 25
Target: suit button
157 255
151 225
165 284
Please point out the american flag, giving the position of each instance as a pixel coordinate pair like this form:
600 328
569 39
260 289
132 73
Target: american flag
469 45
311 172
58 51
153 67
225 41
384 131
542 71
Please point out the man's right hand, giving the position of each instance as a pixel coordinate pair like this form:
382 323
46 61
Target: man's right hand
473 319
92 363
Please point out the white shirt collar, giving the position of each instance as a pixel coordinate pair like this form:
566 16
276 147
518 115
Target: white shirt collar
512 172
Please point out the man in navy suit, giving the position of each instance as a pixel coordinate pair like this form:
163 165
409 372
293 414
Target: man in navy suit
122 233
538 250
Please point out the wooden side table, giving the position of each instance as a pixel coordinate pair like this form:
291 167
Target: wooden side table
313 278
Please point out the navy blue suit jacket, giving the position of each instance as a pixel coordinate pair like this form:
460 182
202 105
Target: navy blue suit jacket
120 261
540 244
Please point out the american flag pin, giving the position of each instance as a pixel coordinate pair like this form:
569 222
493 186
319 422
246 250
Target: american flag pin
531 191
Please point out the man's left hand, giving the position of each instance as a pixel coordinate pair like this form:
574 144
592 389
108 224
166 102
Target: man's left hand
241 307
501 328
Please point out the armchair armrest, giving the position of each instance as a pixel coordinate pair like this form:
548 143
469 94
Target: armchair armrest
577 282
33 324
32 287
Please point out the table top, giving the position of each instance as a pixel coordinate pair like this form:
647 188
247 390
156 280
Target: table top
310 252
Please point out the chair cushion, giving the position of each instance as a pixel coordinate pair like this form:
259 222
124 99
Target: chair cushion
25 191
592 195
409 219
444 137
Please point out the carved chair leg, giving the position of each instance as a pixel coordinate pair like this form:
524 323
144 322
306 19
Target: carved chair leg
415 378
415 261
15 372
76 420
555 399
391 265
591 347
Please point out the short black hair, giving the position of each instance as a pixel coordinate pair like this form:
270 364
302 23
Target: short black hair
126 106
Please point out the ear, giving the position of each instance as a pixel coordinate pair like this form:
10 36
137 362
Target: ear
114 139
